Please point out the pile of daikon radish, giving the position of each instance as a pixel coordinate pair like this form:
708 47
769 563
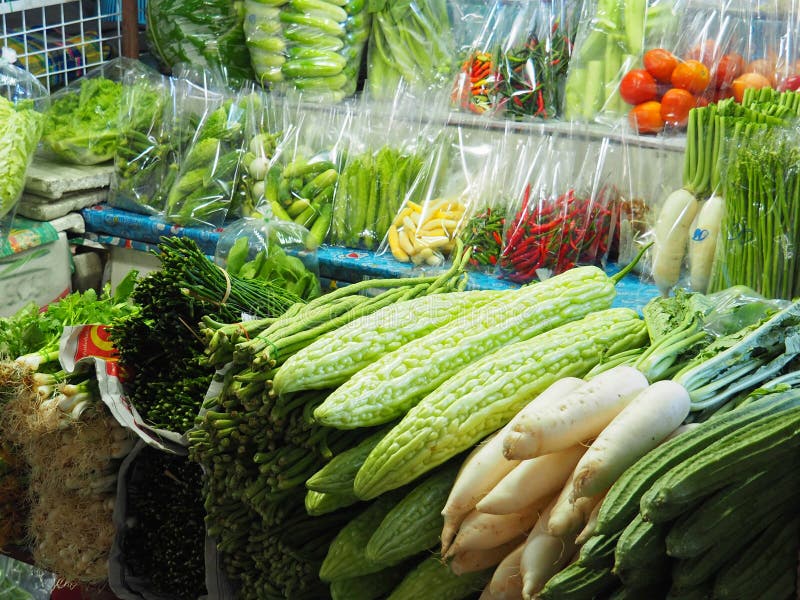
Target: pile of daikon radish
524 500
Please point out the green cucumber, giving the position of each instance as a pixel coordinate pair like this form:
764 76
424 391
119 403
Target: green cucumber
621 504
416 522
324 24
576 582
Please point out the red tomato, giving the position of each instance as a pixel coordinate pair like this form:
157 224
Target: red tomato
692 76
748 80
729 68
763 67
638 86
792 82
707 53
646 117
675 107
660 64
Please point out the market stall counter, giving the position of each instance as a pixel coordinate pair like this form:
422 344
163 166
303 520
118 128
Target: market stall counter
117 228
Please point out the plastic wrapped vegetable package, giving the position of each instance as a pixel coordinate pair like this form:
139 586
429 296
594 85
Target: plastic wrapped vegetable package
270 249
300 176
566 213
610 41
411 42
456 174
82 125
518 65
386 151
21 123
204 187
315 46
145 144
205 34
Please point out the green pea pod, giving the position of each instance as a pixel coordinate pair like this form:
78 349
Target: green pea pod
320 8
324 24
320 182
319 229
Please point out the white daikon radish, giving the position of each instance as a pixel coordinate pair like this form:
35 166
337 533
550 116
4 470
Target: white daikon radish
484 468
671 233
568 517
481 531
530 481
543 555
572 418
506 583
471 561
703 242
591 524
641 426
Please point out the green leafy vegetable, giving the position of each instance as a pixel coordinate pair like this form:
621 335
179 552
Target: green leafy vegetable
82 125
20 129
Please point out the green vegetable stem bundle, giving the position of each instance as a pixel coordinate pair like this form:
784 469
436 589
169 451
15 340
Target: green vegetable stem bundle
204 188
370 192
761 226
20 129
145 146
258 448
313 45
410 41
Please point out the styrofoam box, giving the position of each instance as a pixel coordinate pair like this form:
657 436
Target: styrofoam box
41 274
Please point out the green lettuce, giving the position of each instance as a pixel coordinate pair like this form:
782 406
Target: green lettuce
20 130
82 126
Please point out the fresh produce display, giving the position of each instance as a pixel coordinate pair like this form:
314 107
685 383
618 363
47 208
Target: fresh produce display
370 191
164 546
316 46
422 233
208 35
159 344
204 187
552 235
610 42
483 236
258 448
410 42
20 129
82 124
144 148
519 70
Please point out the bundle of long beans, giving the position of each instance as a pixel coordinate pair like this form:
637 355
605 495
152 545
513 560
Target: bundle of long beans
258 449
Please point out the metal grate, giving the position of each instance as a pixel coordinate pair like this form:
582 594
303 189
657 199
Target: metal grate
59 40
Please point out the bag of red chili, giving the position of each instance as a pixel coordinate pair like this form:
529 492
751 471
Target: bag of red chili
565 212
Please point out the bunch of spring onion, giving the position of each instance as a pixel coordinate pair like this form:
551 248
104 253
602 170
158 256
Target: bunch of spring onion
259 449
164 545
160 342
72 470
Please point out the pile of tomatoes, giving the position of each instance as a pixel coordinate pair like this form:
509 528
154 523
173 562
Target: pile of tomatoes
663 93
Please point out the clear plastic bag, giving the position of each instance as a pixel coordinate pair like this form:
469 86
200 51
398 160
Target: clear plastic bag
145 145
565 216
82 125
311 46
455 175
270 249
610 41
300 178
411 42
386 150
22 98
20 581
205 184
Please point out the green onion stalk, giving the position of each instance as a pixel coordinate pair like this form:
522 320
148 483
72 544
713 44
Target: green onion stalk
258 449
